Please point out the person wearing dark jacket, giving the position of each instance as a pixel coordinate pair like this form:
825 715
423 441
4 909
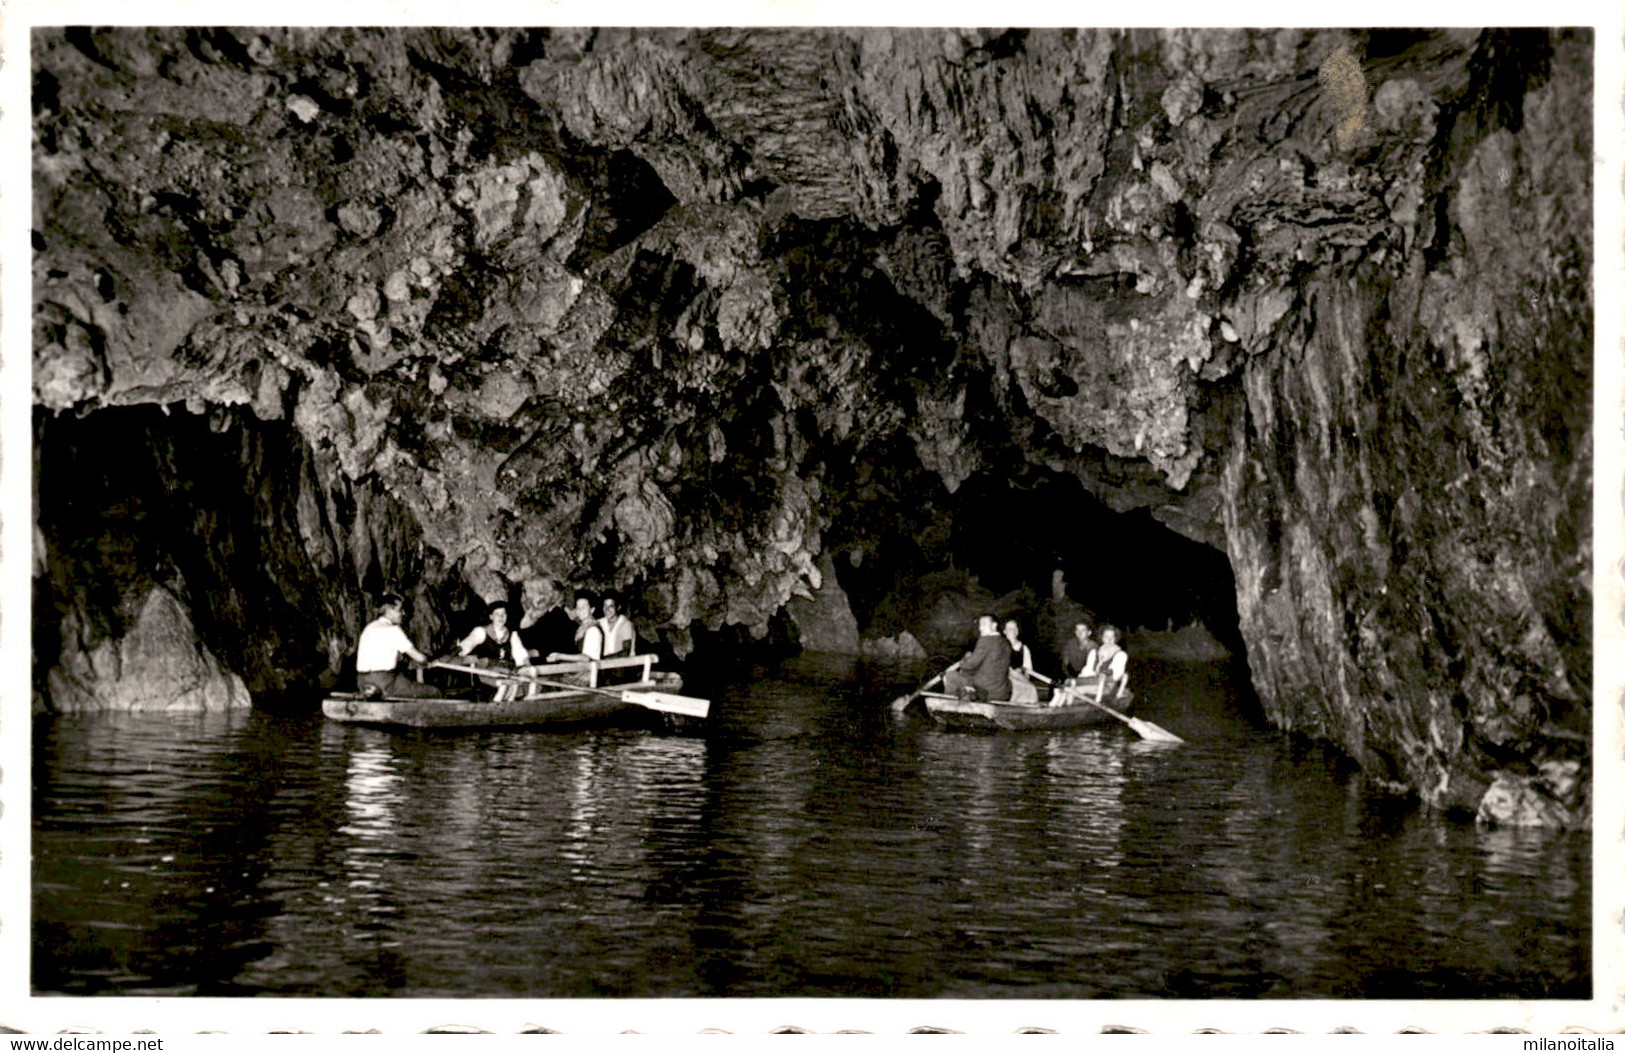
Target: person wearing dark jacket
1078 656
986 669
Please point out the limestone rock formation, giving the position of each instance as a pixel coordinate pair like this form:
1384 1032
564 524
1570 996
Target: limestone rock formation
678 311
824 618
903 646
157 665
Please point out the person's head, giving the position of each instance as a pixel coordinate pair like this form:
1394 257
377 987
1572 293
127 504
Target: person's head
1081 631
611 608
1108 634
583 607
987 625
1012 631
392 607
498 614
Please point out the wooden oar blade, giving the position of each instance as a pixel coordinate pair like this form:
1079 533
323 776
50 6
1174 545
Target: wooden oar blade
902 702
1144 728
1151 732
667 703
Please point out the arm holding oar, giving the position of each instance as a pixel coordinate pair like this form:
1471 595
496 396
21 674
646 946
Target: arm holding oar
1113 670
1108 665
904 701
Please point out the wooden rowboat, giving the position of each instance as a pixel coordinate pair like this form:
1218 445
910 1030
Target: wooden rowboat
953 712
551 706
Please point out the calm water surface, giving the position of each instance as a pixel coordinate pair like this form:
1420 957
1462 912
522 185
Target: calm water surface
808 844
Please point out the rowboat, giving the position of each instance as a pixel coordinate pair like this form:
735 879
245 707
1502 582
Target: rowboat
954 712
549 704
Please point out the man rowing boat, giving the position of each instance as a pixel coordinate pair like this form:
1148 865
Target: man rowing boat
379 650
984 673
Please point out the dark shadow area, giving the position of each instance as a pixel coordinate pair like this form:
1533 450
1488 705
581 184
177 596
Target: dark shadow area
1014 532
1007 534
277 557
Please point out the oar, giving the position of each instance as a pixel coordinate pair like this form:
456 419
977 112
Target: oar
902 702
495 674
474 670
657 700
1147 730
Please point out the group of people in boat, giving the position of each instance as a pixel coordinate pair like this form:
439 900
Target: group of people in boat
494 645
999 668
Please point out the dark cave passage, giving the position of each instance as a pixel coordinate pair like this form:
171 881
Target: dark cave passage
1126 568
1029 543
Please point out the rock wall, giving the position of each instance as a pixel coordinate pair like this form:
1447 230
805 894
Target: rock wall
677 311
1407 495
823 617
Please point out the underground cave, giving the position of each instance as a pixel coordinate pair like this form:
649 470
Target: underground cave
1272 348
643 310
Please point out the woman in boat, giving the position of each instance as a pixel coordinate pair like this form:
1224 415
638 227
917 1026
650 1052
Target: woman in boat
1111 664
1021 665
495 646
1021 656
589 637
378 651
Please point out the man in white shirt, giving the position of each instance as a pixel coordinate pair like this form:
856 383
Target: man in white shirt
620 638
382 643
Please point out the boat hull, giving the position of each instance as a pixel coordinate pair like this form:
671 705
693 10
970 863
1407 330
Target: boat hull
1014 716
552 709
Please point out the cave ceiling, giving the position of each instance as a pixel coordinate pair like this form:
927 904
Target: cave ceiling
628 304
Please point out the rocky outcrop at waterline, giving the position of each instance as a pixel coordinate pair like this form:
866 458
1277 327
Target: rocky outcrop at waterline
681 312
158 664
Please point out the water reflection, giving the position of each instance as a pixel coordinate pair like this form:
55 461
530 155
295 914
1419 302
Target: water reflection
808 845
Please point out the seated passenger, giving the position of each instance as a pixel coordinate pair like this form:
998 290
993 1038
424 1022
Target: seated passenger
620 638
589 637
1101 674
1021 665
1021 656
495 646
1111 665
984 673
378 651
1078 656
